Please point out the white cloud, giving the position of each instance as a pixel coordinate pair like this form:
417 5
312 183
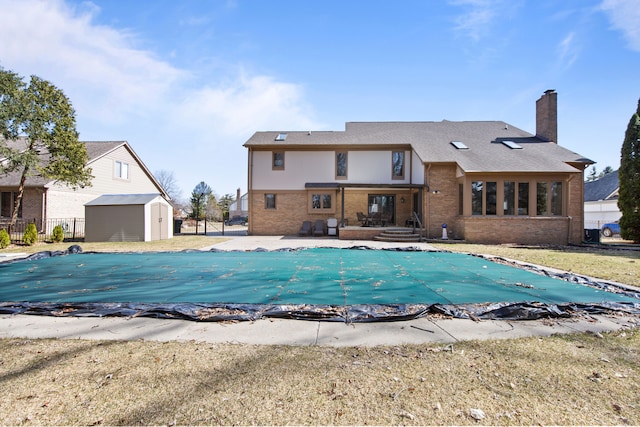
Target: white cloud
480 15
625 16
249 103
97 66
568 50
121 91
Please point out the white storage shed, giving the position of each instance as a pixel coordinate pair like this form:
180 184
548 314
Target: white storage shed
128 218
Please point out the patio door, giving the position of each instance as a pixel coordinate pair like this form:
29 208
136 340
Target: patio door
384 203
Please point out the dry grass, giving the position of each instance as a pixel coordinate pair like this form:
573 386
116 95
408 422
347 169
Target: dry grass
604 263
575 379
177 243
572 379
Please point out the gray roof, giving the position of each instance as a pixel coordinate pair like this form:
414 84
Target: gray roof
432 143
605 188
122 199
95 150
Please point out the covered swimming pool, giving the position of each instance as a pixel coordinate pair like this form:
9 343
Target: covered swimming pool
340 284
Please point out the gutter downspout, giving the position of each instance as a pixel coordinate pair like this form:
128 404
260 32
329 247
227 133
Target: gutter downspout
428 221
250 190
342 207
570 232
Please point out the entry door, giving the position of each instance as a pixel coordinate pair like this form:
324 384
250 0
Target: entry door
159 218
384 203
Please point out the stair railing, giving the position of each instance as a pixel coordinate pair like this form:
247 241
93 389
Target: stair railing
415 219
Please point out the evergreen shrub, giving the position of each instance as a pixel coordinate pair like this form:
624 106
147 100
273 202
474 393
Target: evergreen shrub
5 240
57 235
30 235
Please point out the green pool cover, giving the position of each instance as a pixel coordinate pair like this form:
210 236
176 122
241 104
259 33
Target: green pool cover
353 284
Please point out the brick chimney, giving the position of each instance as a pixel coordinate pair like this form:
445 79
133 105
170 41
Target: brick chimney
547 116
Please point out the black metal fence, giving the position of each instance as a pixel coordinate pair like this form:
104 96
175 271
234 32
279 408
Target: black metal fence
211 228
73 228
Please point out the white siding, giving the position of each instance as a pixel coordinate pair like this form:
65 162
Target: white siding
417 169
300 167
64 202
600 212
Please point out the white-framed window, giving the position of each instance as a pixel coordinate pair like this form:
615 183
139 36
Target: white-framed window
121 169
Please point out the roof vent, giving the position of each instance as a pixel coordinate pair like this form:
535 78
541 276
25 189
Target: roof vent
281 137
459 145
512 145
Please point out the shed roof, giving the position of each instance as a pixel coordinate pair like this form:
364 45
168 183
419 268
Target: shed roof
432 142
123 199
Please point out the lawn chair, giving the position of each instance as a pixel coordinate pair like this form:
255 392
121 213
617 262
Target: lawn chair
305 230
318 228
364 220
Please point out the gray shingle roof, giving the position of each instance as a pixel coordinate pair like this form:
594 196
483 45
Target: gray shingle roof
432 143
605 188
95 150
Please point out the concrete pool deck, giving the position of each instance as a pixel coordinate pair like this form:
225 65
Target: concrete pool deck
429 329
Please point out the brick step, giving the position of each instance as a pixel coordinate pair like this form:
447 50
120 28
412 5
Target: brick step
399 231
398 235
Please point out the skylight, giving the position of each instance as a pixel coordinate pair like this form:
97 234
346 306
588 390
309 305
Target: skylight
459 145
281 137
512 145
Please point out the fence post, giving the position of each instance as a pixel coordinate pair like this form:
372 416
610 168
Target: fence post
74 229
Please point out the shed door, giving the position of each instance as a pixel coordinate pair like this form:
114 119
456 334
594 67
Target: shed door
159 218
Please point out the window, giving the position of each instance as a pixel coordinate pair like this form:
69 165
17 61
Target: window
269 201
523 198
281 137
512 145
8 201
516 198
476 197
541 198
556 198
320 201
278 160
122 170
491 198
459 145
397 164
509 198
341 164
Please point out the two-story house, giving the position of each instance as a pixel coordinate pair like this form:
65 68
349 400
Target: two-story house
116 168
487 180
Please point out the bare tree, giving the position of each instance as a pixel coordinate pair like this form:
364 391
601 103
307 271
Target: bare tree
168 181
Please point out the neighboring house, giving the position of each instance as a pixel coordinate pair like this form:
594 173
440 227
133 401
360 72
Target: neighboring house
240 207
487 181
116 168
601 201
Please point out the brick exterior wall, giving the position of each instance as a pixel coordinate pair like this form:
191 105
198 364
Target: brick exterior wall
441 207
291 210
575 208
525 230
286 218
32 204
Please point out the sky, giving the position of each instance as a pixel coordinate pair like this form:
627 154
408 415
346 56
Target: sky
188 82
